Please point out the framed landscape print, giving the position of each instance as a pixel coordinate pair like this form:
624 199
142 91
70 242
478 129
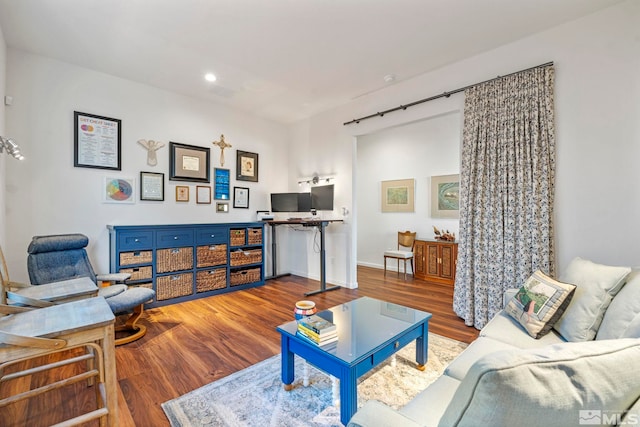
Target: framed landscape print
398 195
188 162
445 196
246 166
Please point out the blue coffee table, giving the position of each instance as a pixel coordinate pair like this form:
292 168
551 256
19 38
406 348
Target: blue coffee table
369 331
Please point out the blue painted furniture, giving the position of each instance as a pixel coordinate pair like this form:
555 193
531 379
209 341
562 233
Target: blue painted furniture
369 331
182 262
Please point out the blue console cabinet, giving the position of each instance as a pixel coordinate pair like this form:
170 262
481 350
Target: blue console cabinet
187 261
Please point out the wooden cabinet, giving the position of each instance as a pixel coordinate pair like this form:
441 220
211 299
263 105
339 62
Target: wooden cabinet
187 261
435 261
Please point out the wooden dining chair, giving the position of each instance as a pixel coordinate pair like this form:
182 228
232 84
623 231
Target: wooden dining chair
47 349
406 239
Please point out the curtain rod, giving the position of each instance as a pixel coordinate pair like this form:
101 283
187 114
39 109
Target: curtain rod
442 95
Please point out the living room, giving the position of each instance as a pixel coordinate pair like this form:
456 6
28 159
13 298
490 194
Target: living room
597 203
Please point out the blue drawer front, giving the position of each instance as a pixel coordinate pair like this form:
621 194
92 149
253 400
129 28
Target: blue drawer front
135 240
212 235
174 238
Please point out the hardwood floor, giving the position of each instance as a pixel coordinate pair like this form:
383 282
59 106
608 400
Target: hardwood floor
192 344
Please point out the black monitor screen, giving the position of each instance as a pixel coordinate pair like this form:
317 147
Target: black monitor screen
322 198
304 202
290 202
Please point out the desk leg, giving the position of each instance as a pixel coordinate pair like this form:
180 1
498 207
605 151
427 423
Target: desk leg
110 377
348 395
422 344
274 256
287 366
323 255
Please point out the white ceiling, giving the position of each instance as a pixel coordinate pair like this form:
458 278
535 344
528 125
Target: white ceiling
281 59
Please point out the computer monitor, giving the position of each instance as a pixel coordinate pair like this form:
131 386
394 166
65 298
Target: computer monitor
290 202
322 198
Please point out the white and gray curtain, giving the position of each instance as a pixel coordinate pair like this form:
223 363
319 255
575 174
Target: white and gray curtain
507 190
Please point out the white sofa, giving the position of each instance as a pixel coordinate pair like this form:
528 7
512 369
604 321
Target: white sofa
585 371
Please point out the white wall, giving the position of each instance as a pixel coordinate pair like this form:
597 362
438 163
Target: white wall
417 151
598 131
46 194
3 74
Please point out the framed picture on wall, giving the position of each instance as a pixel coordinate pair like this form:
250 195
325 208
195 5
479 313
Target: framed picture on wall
445 196
398 195
118 190
188 163
246 166
241 197
151 186
221 184
203 194
97 142
182 193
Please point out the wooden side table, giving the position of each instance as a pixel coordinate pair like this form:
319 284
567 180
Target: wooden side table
85 322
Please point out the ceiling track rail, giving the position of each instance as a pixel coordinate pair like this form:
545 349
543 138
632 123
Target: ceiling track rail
442 95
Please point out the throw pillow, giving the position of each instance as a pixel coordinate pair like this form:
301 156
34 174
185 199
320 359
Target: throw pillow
622 309
539 303
596 285
553 385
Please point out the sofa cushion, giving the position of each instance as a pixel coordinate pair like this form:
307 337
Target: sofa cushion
504 328
547 386
633 330
459 368
623 308
429 405
596 285
539 303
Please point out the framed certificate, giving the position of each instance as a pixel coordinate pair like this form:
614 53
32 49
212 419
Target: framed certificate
151 186
241 197
188 162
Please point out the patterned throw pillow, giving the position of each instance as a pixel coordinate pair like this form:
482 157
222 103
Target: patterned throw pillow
539 303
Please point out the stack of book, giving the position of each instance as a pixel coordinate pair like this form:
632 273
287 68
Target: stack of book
317 330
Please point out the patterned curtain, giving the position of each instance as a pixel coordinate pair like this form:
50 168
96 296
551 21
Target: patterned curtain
507 190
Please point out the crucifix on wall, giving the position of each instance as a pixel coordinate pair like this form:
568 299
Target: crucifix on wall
222 144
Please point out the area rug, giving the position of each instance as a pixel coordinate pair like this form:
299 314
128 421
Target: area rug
255 397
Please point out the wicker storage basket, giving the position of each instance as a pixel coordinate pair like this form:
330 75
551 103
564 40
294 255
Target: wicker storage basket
208 256
243 277
251 256
211 279
174 259
237 237
138 273
140 257
173 286
255 236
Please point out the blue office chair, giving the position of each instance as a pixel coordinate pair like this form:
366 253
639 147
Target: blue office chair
63 256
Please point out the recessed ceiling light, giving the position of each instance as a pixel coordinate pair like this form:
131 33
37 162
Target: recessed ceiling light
210 77
389 78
